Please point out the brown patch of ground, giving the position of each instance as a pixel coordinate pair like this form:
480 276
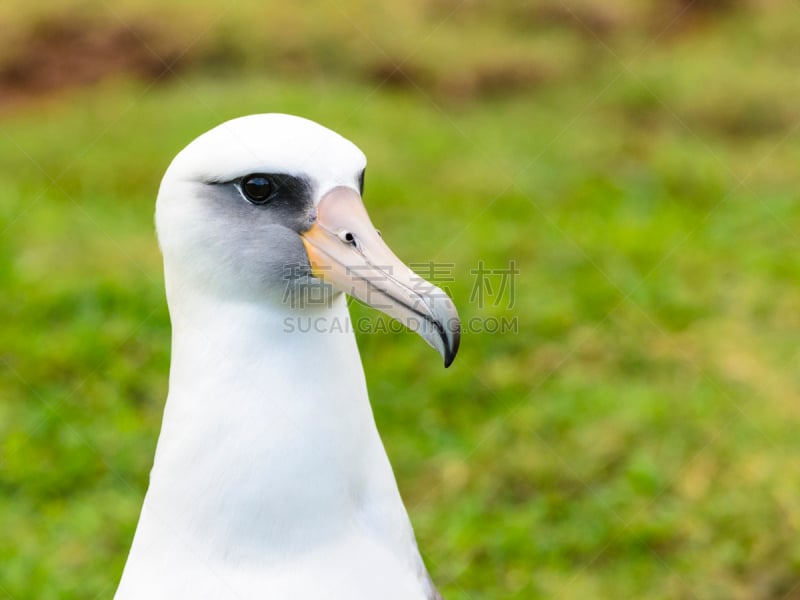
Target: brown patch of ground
68 52
467 82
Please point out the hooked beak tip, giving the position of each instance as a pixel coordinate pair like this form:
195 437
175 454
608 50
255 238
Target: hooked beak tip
451 338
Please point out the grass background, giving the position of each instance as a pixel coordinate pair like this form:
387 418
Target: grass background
637 438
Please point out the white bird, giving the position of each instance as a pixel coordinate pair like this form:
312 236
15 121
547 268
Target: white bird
270 480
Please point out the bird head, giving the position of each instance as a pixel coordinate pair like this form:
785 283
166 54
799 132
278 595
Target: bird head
268 209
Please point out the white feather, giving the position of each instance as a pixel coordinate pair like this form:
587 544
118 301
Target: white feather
270 479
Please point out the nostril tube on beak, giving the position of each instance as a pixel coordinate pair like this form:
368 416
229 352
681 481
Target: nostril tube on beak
347 237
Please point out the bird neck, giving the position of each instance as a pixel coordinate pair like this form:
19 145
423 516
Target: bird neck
268 439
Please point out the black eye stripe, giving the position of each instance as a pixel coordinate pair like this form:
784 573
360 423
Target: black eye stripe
270 188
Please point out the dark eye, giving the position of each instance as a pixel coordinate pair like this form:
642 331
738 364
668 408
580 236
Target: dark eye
258 188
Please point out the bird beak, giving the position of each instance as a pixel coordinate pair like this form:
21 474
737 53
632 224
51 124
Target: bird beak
346 251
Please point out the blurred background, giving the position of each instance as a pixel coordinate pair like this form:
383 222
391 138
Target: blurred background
616 181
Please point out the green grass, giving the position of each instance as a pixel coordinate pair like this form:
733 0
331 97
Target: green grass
637 438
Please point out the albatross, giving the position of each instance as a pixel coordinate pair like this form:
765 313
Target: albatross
270 479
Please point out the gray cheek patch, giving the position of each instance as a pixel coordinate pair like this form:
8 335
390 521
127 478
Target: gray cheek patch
260 245
273 253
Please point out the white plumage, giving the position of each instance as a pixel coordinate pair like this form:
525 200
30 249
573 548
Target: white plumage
270 479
